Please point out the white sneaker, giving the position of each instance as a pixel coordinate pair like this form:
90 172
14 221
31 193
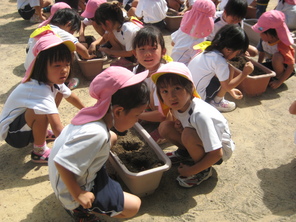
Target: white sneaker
224 105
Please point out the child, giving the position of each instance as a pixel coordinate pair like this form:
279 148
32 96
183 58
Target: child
195 26
213 76
89 19
129 6
32 9
76 165
119 32
204 132
288 7
31 106
149 49
64 23
276 41
152 12
234 12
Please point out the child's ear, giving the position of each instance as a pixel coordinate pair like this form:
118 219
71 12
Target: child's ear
134 53
118 111
164 51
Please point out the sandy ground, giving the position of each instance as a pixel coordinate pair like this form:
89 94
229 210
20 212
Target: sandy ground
256 184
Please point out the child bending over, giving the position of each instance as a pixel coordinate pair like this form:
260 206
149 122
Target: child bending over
77 162
200 129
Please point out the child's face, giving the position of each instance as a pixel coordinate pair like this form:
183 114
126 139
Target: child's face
268 38
149 56
124 121
176 97
229 19
58 72
230 54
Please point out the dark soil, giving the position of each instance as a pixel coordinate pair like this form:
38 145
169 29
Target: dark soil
88 41
240 61
135 153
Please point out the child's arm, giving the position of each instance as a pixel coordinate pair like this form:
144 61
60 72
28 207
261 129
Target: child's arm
152 116
207 161
75 101
93 46
84 198
55 123
287 72
261 57
83 52
118 53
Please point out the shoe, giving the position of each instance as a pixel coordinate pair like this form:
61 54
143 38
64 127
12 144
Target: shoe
195 179
80 216
224 105
73 83
176 157
35 19
38 158
50 136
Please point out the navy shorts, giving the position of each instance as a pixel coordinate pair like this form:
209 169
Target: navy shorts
269 65
212 89
17 136
27 12
109 199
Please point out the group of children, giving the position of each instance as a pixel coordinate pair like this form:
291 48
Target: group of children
184 96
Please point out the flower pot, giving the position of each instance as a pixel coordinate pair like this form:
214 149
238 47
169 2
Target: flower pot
145 182
257 84
173 21
92 67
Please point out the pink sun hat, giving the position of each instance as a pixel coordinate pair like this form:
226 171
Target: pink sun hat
46 41
274 19
103 86
91 7
54 8
198 22
177 68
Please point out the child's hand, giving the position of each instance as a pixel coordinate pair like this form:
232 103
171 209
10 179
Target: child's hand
236 93
248 68
274 84
183 170
178 126
85 199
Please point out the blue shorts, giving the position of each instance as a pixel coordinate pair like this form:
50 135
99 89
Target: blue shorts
27 12
108 193
19 134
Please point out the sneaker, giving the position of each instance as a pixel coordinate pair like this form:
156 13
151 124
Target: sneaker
80 216
224 105
40 158
195 179
177 157
35 19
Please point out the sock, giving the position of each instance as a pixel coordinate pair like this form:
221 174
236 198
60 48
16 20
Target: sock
218 99
40 149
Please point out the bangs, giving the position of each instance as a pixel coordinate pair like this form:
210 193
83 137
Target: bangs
59 53
147 40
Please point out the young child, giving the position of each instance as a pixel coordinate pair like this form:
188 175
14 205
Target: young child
152 12
203 133
149 49
234 12
119 32
76 164
32 9
213 76
64 23
31 106
276 41
195 26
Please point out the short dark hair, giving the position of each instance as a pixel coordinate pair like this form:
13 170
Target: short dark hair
230 36
109 11
132 96
65 15
271 32
51 55
173 79
236 8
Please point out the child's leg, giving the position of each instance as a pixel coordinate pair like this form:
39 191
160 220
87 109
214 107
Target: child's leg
168 131
132 205
278 64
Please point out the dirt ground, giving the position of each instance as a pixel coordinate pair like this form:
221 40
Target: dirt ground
256 184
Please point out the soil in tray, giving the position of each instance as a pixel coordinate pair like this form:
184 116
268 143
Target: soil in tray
240 61
88 41
135 153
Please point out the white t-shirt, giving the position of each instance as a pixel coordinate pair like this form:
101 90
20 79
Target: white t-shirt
32 95
64 35
126 35
152 11
83 150
22 3
210 125
204 67
183 49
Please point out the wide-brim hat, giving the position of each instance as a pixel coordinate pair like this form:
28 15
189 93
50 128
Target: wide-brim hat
103 86
91 7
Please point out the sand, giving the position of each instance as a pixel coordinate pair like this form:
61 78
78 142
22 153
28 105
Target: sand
256 184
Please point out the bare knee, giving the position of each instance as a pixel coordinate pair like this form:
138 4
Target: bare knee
131 207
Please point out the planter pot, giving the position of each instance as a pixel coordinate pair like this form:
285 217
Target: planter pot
92 67
173 21
253 36
257 84
145 182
